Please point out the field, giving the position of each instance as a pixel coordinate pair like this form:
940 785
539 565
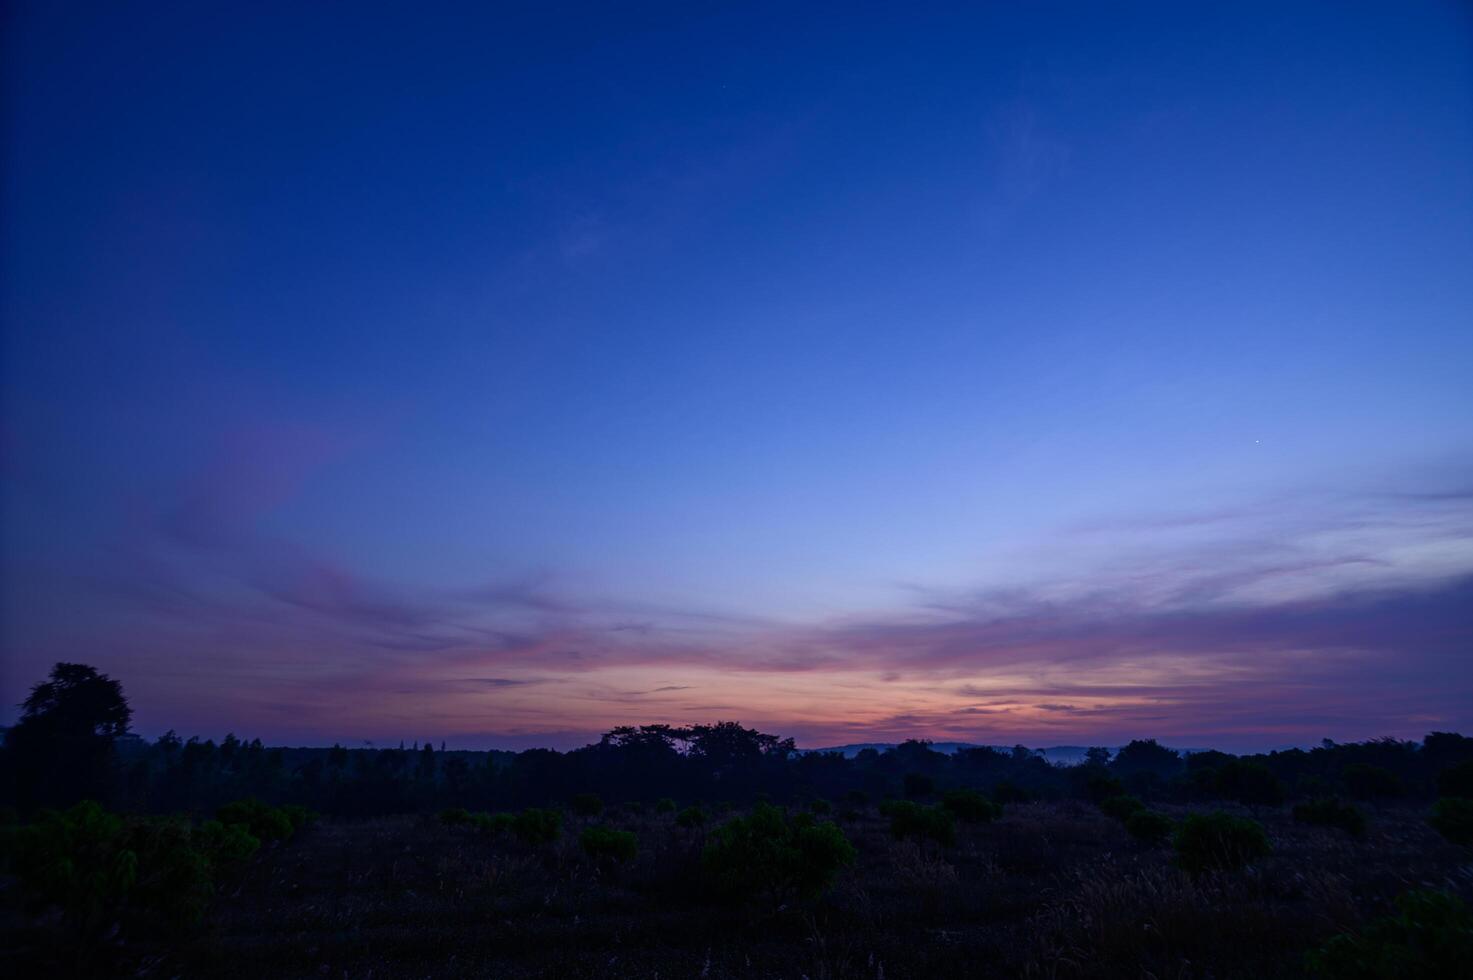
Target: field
1053 889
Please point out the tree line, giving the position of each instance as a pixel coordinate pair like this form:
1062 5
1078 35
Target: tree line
72 743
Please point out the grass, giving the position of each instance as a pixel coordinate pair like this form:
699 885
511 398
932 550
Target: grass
1048 890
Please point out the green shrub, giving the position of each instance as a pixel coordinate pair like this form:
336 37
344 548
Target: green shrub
1149 827
230 845
605 844
535 826
1331 812
766 854
1219 841
150 875
587 804
493 823
915 820
265 822
665 805
970 806
1121 807
1452 817
1431 935
691 816
1457 780
820 807
455 816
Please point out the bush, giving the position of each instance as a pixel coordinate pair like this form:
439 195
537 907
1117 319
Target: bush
1331 812
587 804
909 819
265 822
535 826
1220 841
1431 935
691 816
605 844
765 854
820 807
1149 827
665 805
493 823
140 875
230 845
1121 807
970 806
1370 782
1452 817
455 816
1457 780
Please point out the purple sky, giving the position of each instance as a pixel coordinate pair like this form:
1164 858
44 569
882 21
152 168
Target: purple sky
1050 373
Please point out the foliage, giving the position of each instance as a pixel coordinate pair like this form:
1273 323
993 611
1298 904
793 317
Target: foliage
1452 817
493 823
263 821
61 750
230 845
99 868
1149 826
1100 787
77 700
1367 782
1121 807
665 805
1250 783
765 853
970 806
1430 935
820 807
1219 841
691 816
1457 780
537 826
918 784
1332 812
915 820
1143 756
455 816
607 844
587 804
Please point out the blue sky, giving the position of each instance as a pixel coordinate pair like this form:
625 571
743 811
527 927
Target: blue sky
371 347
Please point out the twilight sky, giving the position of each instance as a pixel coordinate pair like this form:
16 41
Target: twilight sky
1045 372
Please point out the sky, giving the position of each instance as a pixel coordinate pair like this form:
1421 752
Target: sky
500 373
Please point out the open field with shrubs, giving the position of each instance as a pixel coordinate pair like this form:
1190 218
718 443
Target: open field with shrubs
720 851
894 889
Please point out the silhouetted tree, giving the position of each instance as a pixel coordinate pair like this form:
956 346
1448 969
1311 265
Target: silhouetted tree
61 750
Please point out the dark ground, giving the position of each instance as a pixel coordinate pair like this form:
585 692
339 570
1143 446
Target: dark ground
1050 890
